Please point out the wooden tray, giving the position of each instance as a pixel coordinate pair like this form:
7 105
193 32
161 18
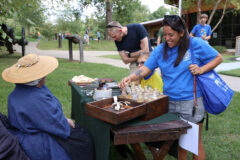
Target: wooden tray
148 110
97 109
156 108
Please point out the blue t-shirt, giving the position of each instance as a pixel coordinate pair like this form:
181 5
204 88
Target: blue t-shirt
131 42
178 81
98 34
200 30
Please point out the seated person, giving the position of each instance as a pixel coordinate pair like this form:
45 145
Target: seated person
37 114
9 145
153 79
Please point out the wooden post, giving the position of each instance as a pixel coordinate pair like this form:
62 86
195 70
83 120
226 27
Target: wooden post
23 40
60 41
70 50
81 50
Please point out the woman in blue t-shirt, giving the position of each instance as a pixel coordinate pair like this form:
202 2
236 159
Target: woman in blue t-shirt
173 57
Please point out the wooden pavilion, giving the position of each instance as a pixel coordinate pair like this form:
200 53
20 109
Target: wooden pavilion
224 35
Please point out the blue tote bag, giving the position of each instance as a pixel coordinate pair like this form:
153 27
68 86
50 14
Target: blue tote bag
216 93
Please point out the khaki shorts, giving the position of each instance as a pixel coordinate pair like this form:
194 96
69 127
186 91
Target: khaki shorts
184 109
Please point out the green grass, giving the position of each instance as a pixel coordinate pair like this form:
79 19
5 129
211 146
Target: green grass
228 58
221 141
234 72
112 56
28 39
93 46
58 80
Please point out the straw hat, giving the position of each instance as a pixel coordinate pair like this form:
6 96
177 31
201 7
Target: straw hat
29 68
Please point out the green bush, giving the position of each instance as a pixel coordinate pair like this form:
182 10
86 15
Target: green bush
220 49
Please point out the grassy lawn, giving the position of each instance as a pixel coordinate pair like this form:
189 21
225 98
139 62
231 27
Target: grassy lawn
221 141
113 56
58 80
28 39
93 46
234 72
228 58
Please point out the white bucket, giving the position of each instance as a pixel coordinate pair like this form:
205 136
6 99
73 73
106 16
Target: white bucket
102 94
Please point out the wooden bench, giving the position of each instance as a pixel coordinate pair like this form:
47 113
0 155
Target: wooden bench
167 132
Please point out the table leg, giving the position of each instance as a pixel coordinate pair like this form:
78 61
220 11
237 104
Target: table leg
138 152
160 153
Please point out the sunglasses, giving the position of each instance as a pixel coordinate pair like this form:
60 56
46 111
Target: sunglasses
170 19
112 26
140 63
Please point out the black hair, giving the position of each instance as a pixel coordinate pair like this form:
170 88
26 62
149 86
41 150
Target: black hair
177 24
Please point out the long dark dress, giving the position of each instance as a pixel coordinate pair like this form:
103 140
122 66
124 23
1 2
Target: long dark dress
37 114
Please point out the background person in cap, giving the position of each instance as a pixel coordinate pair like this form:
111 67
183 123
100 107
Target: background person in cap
130 40
202 30
37 114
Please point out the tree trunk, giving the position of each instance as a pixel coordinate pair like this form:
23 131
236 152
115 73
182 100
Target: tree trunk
28 30
199 2
108 15
213 11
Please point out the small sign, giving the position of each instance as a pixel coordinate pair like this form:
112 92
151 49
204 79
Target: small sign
214 34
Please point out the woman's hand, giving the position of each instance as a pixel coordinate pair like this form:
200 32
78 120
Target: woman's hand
195 69
71 123
125 81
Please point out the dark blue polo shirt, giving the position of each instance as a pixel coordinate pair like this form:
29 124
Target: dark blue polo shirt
131 42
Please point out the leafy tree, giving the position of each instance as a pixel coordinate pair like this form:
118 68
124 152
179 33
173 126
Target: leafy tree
124 11
30 14
48 31
129 11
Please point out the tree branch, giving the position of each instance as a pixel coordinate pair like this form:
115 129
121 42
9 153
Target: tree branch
199 10
213 11
220 20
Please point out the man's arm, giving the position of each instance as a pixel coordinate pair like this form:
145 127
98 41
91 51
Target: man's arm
193 31
125 57
158 40
144 48
206 38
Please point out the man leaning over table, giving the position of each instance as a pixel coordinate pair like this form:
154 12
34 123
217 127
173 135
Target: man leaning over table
130 40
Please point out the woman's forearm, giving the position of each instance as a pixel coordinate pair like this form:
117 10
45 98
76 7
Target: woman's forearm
212 64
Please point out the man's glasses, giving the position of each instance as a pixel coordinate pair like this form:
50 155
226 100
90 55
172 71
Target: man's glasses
140 63
112 26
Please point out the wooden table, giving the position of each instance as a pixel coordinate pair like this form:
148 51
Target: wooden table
165 128
167 132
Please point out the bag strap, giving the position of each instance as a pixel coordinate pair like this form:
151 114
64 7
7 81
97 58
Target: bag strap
194 81
195 85
195 91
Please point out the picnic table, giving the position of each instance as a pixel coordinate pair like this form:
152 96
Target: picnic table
166 128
